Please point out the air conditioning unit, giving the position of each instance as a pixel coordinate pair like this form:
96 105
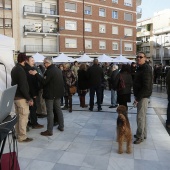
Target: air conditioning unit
56 19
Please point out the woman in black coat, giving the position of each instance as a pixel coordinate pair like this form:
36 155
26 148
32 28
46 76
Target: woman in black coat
82 84
123 83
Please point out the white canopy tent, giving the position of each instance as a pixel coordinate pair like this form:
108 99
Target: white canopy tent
38 57
63 58
84 58
105 58
121 59
7 47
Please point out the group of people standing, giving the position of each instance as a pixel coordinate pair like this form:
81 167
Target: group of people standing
56 83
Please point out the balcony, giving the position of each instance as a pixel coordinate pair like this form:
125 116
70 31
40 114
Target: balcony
143 33
40 48
163 30
39 11
138 2
139 12
40 30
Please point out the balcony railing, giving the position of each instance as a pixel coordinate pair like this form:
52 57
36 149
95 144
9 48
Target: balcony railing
39 29
39 10
40 48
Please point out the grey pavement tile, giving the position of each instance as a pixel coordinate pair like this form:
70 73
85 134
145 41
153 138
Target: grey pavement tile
42 165
67 137
96 162
59 145
147 165
78 147
50 155
65 167
84 139
120 164
163 155
72 159
89 132
23 162
164 145
30 152
149 154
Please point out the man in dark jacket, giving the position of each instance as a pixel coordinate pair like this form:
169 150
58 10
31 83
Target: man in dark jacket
33 91
142 88
95 77
22 98
53 90
168 93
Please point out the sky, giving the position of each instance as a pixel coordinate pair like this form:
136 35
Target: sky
151 6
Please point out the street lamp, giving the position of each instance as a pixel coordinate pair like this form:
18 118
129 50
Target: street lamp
162 51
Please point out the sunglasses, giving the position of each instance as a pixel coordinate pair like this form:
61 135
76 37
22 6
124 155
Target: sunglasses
139 57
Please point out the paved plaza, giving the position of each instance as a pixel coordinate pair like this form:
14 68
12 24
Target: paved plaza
89 140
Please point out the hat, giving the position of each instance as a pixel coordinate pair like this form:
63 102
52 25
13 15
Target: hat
21 57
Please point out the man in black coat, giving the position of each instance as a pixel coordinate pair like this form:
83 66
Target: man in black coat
142 88
22 98
53 90
33 91
95 78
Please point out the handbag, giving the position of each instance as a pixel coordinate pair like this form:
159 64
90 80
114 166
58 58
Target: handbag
121 84
73 89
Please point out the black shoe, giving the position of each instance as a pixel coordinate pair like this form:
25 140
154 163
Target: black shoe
99 109
111 106
91 109
168 126
137 137
60 129
138 141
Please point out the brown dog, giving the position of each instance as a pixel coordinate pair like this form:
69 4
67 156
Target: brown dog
123 129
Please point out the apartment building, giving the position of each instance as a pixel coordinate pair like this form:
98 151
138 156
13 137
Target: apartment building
72 27
154 34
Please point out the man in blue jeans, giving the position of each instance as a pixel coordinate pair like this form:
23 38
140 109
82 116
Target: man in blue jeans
53 90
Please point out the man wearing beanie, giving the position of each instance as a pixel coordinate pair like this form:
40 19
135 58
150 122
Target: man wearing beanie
22 98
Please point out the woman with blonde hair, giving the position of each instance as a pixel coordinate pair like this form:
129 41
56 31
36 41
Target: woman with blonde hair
82 84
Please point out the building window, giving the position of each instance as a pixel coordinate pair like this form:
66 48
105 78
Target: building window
70 25
1 23
128 17
128 31
70 43
128 2
128 47
102 12
8 4
88 10
102 45
88 27
102 28
115 1
8 23
114 45
71 7
53 9
115 14
88 44
115 30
